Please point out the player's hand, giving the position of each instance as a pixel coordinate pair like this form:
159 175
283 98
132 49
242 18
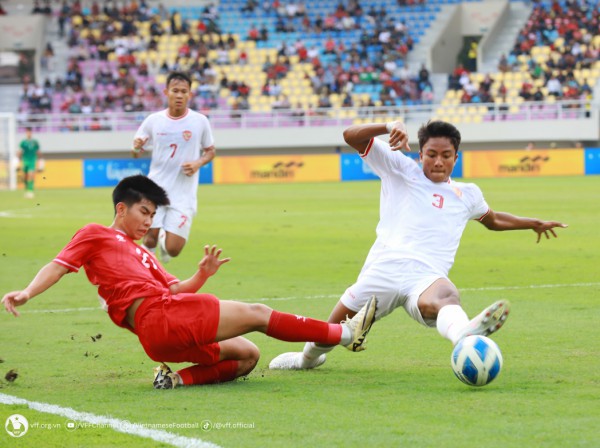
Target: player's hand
398 136
546 227
210 263
139 143
14 299
190 168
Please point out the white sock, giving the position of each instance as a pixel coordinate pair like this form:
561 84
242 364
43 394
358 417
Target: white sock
312 352
451 320
162 243
346 335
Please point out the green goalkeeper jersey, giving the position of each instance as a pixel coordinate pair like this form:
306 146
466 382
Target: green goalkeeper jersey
30 149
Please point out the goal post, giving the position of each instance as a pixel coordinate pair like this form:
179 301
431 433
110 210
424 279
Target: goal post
8 152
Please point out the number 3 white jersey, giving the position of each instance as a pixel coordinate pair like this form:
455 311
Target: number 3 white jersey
174 141
420 219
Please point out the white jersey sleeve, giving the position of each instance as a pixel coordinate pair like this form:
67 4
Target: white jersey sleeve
385 162
479 207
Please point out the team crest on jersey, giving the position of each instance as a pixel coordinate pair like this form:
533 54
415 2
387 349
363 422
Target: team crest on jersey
187 135
457 191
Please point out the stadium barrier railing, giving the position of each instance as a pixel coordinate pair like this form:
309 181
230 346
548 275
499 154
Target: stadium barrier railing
242 119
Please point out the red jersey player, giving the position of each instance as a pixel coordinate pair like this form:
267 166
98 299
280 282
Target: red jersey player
172 322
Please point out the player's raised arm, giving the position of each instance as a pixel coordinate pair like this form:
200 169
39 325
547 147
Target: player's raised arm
505 221
358 136
208 266
45 278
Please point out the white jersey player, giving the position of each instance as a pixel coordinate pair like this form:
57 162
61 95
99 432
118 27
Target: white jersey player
423 214
181 142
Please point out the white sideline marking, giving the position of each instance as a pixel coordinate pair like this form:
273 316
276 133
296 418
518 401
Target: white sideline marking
332 296
116 424
64 310
12 214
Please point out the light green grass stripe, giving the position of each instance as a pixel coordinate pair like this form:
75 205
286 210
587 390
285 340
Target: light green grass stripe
118 425
331 296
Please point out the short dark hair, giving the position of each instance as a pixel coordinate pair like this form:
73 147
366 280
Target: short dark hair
438 128
133 189
179 76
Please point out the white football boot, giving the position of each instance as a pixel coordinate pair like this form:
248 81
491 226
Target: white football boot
295 361
488 321
164 378
360 325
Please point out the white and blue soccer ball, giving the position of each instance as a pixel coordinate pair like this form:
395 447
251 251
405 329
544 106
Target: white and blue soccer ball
476 360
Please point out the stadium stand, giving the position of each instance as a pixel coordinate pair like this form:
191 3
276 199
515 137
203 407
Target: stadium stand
324 61
555 57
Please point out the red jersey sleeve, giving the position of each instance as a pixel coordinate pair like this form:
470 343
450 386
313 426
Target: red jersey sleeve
78 250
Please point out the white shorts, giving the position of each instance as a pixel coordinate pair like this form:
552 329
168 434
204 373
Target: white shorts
173 221
395 283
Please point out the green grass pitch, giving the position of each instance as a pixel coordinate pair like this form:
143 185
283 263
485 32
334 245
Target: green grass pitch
296 248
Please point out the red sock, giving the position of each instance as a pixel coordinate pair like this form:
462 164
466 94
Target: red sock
219 373
293 328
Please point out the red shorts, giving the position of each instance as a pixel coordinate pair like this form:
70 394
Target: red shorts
180 328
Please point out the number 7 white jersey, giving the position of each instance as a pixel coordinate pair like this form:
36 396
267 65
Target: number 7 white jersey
173 142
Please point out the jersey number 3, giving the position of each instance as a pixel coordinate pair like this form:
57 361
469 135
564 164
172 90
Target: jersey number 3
438 201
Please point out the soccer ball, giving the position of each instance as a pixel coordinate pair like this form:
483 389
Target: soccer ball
476 360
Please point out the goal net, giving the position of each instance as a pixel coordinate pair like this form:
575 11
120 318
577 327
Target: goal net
8 152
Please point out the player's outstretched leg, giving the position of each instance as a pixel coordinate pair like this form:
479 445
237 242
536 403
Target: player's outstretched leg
315 355
488 321
164 378
162 245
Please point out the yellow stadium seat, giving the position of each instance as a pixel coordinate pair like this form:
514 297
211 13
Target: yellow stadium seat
161 79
